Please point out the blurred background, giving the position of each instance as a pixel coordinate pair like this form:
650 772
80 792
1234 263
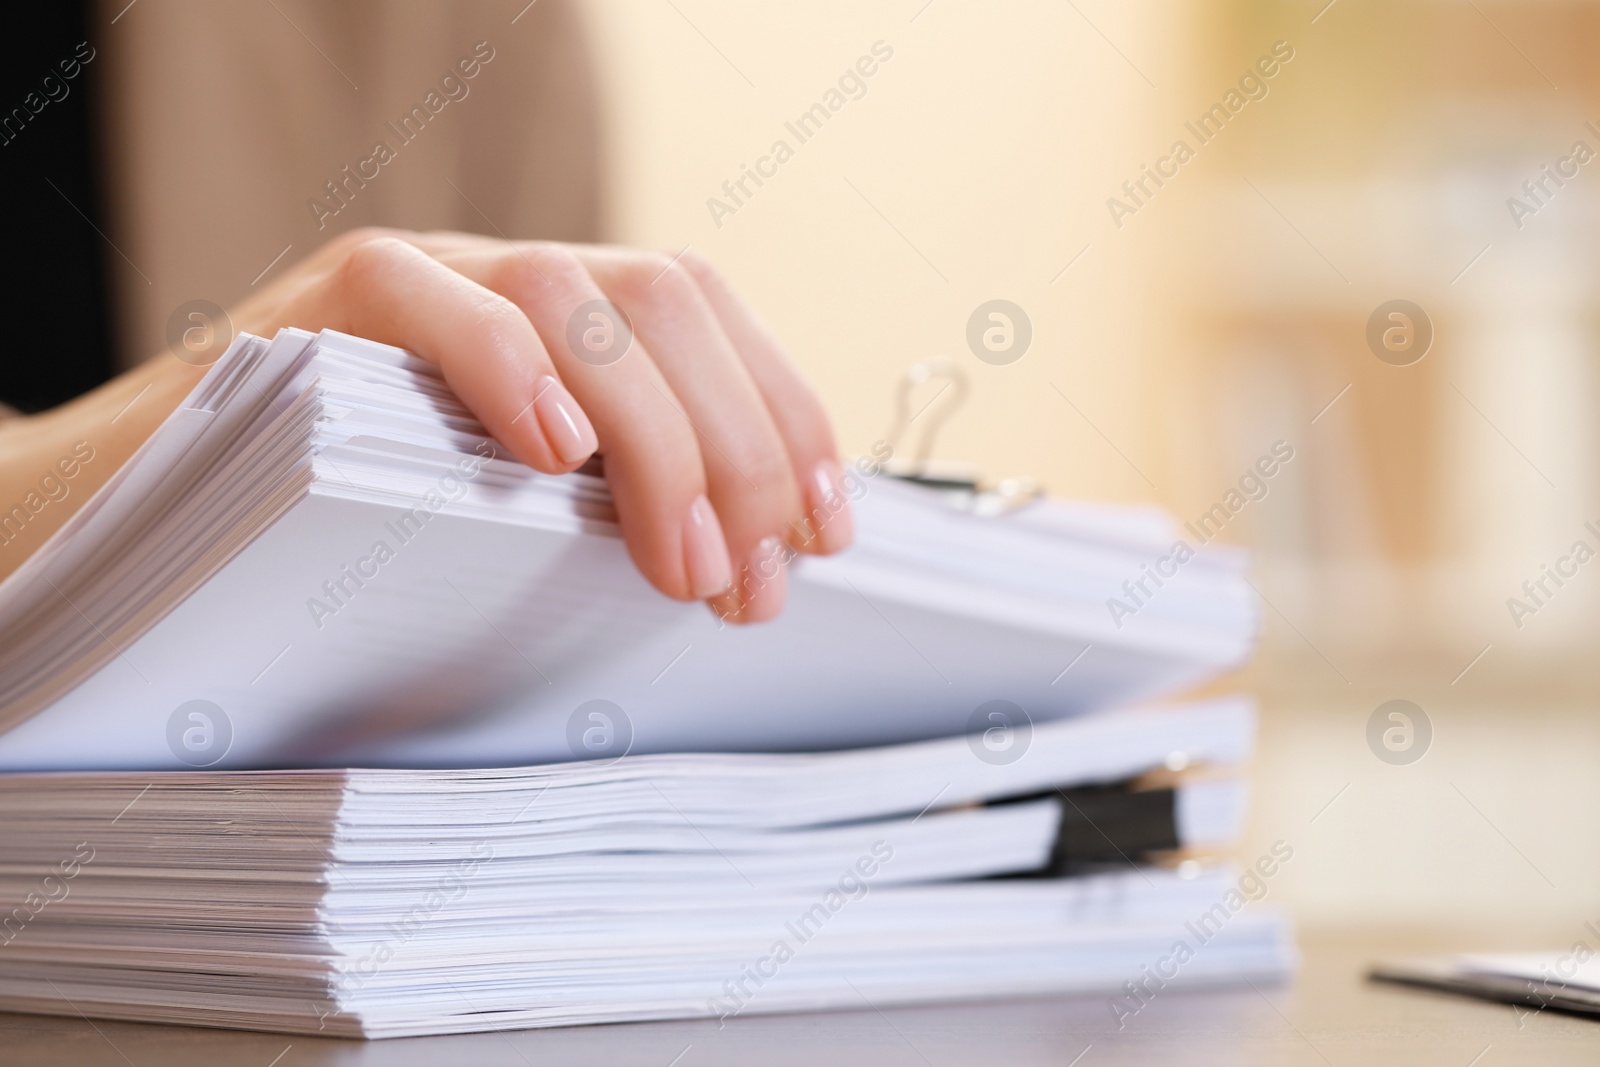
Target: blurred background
1226 313
1176 339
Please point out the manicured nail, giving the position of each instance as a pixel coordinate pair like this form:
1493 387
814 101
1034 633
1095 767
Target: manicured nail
764 581
705 551
565 426
828 517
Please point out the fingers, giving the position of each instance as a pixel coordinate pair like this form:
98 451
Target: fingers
391 292
720 459
749 476
672 524
828 525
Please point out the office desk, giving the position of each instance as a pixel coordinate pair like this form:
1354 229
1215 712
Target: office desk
1327 1015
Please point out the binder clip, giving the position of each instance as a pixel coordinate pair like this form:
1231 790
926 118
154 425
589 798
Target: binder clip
961 484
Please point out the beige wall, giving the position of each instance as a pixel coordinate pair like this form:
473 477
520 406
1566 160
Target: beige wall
988 141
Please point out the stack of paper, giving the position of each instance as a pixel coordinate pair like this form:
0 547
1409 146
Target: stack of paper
314 545
381 903
321 561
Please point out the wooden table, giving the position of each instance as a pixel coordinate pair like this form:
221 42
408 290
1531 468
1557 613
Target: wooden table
1327 1015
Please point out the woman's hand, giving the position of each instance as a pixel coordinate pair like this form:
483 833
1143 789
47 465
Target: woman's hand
719 456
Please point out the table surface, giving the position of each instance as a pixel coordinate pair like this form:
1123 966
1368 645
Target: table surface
1327 1015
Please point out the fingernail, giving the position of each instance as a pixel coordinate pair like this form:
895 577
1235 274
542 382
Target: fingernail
565 425
705 552
763 583
828 516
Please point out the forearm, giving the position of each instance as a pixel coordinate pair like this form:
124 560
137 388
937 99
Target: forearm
51 463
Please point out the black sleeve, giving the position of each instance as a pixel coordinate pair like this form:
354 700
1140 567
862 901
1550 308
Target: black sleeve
55 293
